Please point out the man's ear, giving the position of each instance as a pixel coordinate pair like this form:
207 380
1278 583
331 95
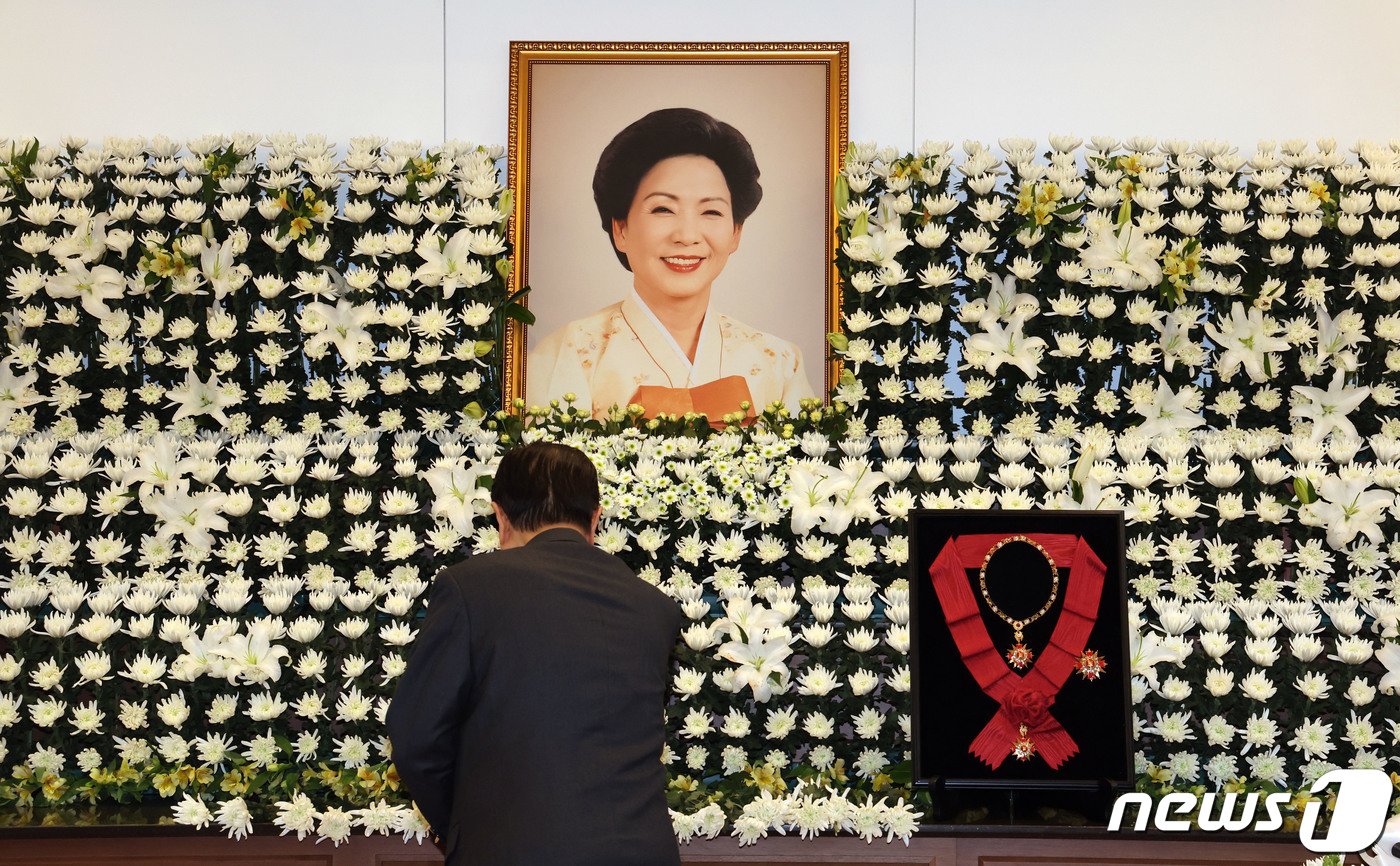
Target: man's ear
503 527
619 235
593 524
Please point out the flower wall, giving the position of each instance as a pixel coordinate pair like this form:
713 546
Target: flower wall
249 389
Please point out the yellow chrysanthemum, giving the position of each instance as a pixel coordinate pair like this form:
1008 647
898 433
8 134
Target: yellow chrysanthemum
166 784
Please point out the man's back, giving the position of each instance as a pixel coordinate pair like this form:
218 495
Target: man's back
544 685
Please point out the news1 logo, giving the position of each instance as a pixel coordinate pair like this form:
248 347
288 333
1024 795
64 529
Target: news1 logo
1358 818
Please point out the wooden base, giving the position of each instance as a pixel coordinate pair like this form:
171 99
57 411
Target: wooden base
972 847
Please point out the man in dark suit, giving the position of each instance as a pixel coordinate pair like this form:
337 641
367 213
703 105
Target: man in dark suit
529 724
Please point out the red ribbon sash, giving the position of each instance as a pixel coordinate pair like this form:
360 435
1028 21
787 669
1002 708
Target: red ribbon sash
1024 699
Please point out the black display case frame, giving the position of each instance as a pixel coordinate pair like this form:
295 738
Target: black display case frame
1097 715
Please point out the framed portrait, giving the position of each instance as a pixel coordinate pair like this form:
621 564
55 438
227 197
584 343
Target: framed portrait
674 222
1019 649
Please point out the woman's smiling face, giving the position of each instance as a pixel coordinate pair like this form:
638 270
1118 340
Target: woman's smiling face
680 229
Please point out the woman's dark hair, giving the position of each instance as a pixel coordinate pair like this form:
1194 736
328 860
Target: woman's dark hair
663 134
542 483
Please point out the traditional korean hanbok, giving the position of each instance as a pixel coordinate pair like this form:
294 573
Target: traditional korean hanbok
622 354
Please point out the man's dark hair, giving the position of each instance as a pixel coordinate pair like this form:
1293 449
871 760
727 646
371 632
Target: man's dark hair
663 134
543 483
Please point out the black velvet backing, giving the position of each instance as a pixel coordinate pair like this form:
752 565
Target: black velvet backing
950 709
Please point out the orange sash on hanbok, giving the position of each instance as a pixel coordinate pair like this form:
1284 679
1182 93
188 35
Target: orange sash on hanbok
714 399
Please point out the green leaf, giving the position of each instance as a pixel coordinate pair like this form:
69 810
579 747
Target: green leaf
519 313
861 225
1304 489
902 773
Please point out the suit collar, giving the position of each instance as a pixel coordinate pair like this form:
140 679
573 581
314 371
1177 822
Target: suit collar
558 533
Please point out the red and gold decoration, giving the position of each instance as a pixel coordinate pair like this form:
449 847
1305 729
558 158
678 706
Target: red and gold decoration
1091 665
1023 749
1022 726
1020 655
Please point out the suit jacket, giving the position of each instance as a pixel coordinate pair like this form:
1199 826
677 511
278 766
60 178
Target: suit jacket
529 723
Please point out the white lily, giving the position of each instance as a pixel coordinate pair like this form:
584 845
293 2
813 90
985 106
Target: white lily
160 464
16 392
343 325
93 287
856 486
201 398
1175 335
1328 410
1169 412
1008 344
456 496
760 664
1145 651
1246 339
744 620
87 241
449 263
194 517
1003 301
810 487
1128 254
202 656
1351 508
216 261
1389 656
252 656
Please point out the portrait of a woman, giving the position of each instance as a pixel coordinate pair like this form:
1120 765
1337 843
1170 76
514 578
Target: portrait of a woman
673 191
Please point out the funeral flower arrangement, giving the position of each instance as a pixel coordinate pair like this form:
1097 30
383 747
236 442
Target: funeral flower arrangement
250 394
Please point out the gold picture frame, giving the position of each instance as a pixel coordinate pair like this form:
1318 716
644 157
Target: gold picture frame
567 101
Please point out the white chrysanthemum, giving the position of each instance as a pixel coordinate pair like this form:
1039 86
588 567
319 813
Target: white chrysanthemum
193 811
298 815
262 751
1313 738
336 825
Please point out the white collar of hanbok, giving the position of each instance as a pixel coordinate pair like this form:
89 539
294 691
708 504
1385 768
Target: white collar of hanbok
667 353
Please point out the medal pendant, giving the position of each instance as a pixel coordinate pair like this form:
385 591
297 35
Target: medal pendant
1019 656
1091 665
1023 747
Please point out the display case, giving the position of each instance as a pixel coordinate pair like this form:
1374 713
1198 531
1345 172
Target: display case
1019 649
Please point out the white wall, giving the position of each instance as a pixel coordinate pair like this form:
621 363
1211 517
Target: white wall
881 37
1239 70
183 68
432 69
